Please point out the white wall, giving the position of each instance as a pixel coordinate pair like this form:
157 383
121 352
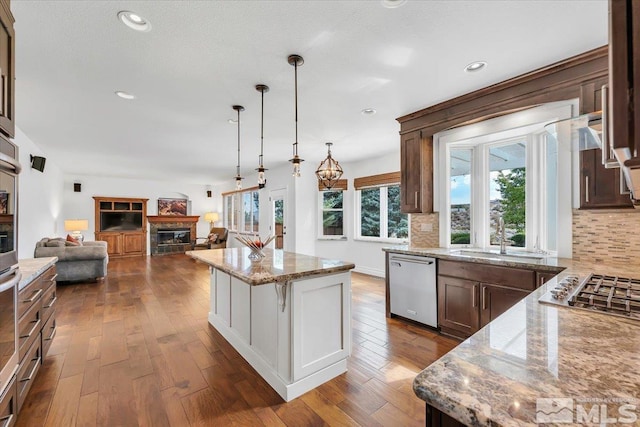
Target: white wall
367 256
40 198
82 205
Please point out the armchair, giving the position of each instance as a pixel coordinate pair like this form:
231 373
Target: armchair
208 242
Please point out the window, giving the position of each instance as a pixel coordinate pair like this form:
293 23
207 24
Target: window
510 175
242 211
332 213
378 214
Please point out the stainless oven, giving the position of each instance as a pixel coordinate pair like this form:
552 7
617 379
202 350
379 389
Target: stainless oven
9 271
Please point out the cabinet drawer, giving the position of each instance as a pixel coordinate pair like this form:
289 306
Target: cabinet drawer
49 276
49 299
27 371
48 332
504 276
9 405
29 296
29 329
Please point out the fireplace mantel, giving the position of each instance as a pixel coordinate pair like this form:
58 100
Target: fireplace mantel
172 218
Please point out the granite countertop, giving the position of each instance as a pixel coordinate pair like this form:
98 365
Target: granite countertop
277 266
536 351
32 268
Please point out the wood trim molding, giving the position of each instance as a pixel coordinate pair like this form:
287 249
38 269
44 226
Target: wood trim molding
376 180
341 184
120 199
555 82
240 191
153 219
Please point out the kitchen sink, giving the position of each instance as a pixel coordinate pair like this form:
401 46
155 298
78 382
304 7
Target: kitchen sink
495 254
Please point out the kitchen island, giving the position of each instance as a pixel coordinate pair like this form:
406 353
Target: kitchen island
288 315
537 363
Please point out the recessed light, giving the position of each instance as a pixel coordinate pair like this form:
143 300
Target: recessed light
393 4
125 95
368 111
475 66
134 21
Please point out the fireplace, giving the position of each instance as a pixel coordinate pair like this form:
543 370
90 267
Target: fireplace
178 236
171 234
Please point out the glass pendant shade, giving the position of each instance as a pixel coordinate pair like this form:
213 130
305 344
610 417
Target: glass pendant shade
329 171
262 179
238 178
296 60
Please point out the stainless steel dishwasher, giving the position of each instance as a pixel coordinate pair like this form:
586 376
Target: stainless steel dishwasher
412 288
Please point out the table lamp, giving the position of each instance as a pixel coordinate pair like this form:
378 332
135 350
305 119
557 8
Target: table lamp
211 217
76 226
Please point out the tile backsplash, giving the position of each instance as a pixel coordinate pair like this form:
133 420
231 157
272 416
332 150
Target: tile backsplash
606 237
599 236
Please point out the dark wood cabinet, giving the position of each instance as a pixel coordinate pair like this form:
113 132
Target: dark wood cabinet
543 277
416 173
495 300
7 70
458 306
600 187
122 223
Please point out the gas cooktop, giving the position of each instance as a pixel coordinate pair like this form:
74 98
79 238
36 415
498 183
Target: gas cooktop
606 294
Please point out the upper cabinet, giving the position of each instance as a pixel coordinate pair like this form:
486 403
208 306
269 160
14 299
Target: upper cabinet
600 187
416 173
7 70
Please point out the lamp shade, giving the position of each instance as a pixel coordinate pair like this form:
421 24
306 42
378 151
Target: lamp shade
211 216
76 224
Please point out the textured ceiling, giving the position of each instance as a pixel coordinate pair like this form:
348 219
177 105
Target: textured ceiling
201 57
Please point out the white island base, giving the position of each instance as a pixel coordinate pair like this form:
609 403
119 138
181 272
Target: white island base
295 334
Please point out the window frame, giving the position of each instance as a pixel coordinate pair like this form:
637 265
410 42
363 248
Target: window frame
321 210
237 215
384 217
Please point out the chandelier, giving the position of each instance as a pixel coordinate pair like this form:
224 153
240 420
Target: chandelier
329 171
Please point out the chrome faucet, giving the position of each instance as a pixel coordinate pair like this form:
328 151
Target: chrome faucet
503 248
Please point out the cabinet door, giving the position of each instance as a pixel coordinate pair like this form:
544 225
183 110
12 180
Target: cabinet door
416 173
495 300
543 277
599 186
133 243
458 305
114 243
7 70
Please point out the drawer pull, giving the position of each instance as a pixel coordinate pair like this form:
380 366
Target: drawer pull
36 323
34 296
475 291
53 334
53 279
6 421
33 370
51 302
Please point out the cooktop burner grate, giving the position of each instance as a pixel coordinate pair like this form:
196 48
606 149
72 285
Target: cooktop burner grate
610 294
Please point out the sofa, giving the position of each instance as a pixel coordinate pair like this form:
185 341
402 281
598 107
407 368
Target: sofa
84 262
208 242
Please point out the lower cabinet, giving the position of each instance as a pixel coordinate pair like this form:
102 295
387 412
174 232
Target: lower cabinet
124 244
36 329
9 405
470 295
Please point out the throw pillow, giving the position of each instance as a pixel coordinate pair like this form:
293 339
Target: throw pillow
212 238
73 241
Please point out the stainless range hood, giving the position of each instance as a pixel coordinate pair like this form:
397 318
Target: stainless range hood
585 133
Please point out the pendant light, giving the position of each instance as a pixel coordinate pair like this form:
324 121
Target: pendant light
239 179
262 180
329 171
296 60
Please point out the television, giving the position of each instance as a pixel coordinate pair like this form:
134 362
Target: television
116 221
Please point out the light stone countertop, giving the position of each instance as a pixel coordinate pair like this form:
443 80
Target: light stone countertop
277 266
535 350
32 268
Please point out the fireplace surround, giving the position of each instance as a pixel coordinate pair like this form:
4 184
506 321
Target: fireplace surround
171 234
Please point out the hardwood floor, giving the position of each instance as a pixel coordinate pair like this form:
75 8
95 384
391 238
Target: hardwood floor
137 350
